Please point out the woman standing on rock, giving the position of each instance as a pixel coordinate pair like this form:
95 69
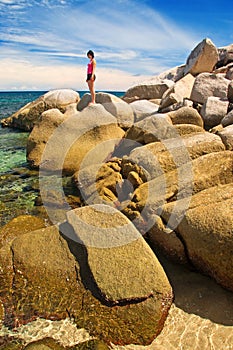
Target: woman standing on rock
91 74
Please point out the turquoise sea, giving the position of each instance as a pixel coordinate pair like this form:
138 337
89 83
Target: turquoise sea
18 185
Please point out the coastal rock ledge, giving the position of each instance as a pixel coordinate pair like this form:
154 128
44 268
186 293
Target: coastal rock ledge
152 174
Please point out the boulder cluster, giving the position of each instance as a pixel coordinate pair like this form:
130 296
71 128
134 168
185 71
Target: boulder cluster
154 172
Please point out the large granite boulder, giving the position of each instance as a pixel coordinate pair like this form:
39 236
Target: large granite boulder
224 70
213 111
151 89
143 109
114 105
186 115
65 147
119 293
41 133
122 265
206 227
178 92
229 72
61 98
207 85
228 119
205 173
225 55
174 74
230 92
203 58
154 128
44 274
30 114
226 135
22 307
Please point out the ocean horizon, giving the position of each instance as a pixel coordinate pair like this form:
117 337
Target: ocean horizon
11 101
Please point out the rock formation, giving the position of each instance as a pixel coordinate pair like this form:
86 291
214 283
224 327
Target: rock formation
118 292
65 147
29 115
153 172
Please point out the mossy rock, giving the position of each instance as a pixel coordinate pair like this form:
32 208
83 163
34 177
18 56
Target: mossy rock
1 312
51 344
43 261
91 345
8 343
19 226
15 228
44 344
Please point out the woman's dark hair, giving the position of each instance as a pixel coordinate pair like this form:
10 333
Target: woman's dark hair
91 53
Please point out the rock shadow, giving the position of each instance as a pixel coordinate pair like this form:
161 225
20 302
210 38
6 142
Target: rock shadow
198 294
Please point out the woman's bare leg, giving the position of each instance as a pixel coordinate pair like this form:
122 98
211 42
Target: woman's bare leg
92 90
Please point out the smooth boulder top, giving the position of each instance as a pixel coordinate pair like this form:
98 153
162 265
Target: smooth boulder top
61 98
121 110
122 264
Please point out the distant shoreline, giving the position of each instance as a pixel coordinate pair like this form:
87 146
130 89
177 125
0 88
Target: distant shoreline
44 91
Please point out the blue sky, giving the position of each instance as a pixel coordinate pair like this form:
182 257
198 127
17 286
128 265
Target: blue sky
44 43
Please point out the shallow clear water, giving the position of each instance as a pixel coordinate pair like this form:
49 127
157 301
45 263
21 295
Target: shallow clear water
12 142
12 149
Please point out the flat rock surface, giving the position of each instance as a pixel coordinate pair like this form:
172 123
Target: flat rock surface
127 270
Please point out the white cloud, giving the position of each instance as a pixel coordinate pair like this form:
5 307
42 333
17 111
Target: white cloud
101 54
7 2
122 55
14 4
52 3
21 74
129 25
62 54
